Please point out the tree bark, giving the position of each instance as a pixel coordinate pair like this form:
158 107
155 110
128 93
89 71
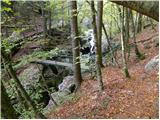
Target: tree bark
7 110
127 47
99 29
138 54
75 44
123 45
148 8
98 67
113 57
6 59
44 19
139 23
127 27
49 20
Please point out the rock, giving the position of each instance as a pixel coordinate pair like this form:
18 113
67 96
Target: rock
59 98
87 22
156 41
30 77
31 80
15 36
68 84
152 65
147 46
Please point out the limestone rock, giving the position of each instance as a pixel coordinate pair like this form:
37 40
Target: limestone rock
152 65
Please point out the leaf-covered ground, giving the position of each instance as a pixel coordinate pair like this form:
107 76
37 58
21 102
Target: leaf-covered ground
137 97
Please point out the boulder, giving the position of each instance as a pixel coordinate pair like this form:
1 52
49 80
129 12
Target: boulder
152 65
59 98
30 76
87 22
156 41
68 84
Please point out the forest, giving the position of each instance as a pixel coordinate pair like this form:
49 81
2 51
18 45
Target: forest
82 59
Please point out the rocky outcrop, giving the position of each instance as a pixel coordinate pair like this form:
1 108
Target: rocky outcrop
64 92
68 85
152 65
58 97
30 76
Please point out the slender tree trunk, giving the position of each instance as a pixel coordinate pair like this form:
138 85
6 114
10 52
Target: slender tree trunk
62 14
127 27
6 59
138 54
110 27
139 23
75 44
49 20
21 99
123 45
113 57
7 110
98 67
127 47
44 19
116 20
99 29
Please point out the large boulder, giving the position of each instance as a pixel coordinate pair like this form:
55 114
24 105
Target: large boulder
59 98
68 84
152 65
30 76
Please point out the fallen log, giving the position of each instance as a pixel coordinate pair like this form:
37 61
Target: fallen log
49 62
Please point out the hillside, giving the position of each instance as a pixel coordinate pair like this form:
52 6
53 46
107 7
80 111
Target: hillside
136 97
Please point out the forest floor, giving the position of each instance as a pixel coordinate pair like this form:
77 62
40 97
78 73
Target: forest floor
135 97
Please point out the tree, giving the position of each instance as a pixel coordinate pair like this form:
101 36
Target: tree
139 23
127 26
127 18
75 44
49 20
44 18
8 112
138 54
125 68
23 92
98 67
99 29
148 8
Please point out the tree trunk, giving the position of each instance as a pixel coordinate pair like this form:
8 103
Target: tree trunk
44 19
138 54
113 57
127 47
62 14
110 27
127 27
75 44
148 8
6 59
21 98
139 23
123 45
98 67
99 29
7 110
49 21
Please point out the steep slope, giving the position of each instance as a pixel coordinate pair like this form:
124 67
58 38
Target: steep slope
137 97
